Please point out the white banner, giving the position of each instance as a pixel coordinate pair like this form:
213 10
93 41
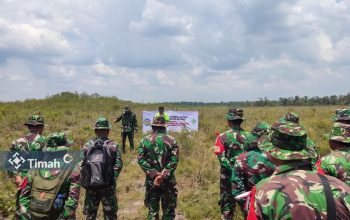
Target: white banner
179 121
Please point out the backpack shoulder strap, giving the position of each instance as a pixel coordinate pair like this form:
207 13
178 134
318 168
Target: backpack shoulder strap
331 208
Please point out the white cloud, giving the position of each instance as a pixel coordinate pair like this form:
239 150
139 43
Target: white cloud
163 50
25 38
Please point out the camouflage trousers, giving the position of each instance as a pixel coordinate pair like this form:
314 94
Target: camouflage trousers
167 195
109 203
227 202
130 136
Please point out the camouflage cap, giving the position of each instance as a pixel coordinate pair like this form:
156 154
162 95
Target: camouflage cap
340 132
261 128
58 139
290 117
35 120
287 141
234 114
158 121
102 123
341 115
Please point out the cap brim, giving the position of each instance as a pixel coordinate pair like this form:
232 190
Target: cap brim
307 153
233 118
102 128
33 123
340 139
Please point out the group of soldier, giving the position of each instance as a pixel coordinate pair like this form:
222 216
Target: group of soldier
272 172
275 172
54 193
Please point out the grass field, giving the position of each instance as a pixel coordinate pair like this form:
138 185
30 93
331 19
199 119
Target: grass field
198 170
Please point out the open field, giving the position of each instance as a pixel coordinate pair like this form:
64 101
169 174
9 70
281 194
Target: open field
198 170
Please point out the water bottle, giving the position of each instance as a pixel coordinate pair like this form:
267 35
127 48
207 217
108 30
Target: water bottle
58 202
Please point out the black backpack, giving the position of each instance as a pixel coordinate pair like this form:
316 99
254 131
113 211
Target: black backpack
97 167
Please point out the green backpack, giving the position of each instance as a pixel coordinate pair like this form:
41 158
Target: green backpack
44 193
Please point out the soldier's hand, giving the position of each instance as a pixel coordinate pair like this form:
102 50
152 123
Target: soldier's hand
115 120
158 180
18 180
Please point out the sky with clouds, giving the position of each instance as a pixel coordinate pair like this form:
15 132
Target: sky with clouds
165 50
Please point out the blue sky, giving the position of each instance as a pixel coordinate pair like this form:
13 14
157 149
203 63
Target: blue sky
164 50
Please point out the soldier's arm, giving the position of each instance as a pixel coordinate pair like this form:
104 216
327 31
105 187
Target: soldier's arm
143 162
237 178
135 121
72 200
83 152
173 161
118 162
117 119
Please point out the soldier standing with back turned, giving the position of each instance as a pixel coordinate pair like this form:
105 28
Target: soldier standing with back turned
294 191
158 158
228 146
337 163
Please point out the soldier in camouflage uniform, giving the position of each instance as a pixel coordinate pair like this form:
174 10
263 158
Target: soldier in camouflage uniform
294 191
33 141
290 117
158 158
106 196
251 166
228 146
337 163
129 126
69 189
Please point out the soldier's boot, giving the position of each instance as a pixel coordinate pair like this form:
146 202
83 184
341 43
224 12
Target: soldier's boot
227 216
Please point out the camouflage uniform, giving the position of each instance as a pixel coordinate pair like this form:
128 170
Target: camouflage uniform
70 188
30 142
294 117
290 117
129 125
294 191
342 115
228 146
159 156
251 166
106 196
337 163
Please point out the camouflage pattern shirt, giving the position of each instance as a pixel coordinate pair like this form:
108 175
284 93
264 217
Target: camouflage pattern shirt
336 164
70 190
231 145
129 121
295 192
113 148
250 167
158 153
29 142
